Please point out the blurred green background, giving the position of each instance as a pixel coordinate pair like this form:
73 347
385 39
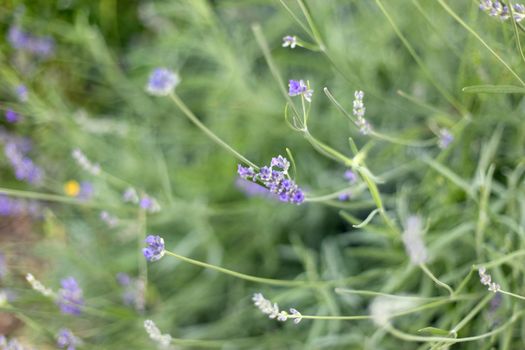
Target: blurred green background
90 94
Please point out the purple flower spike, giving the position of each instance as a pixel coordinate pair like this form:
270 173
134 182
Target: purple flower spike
70 297
11 116
162 82
155 249
278 182
67 340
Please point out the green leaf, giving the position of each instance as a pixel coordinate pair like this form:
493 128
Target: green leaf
494 89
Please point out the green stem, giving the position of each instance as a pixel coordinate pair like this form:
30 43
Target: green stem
435 279
188 113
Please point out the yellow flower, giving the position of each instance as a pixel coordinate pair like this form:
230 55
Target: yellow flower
72 188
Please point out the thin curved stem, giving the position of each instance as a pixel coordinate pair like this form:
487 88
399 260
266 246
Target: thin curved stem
188 113
435 279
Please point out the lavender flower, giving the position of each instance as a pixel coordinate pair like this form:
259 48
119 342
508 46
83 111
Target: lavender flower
12 344
359 110
84 162
149 204
155 249
162 82
134 290
486 280
298 87
11 116
67 340
498 9
343 197
16 207
272 309
70 297
21 93
25 169
412 238
350 176
252 189
290 41
163 340
445 138
86 191
39 46
130 195
277 181
109 219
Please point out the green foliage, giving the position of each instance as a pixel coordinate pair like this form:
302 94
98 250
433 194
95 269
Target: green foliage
424 66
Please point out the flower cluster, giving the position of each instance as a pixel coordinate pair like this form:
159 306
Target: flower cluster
70 297
290 41
277 181
85 163
15 207
445 138
134 290
272 309
359 110
252 189
67 340
486 280
39 287
412 238
299 87
154 333
155 249
162 82
26 42
25 168
498 9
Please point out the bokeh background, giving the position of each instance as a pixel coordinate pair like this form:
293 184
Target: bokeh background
87 91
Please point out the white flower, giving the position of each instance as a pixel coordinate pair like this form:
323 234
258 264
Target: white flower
39 287
413 240
154 333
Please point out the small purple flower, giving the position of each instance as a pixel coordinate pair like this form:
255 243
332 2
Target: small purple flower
109 219
245 172
24 167
252 189
350 176
130 195
290 41
155 249
123 279
281 163
343 197
39 46
445 138
67 340
11 116
86 191
17 37
149 204
70 297
21 93
162 81
298 87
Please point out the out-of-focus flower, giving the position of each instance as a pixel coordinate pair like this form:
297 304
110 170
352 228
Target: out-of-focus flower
11 116
445 138
70 297
22 93
290 41
163 340
162 82
272 309
155 249
67 340
413 240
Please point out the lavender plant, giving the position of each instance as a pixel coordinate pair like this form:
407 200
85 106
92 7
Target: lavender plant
119 121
